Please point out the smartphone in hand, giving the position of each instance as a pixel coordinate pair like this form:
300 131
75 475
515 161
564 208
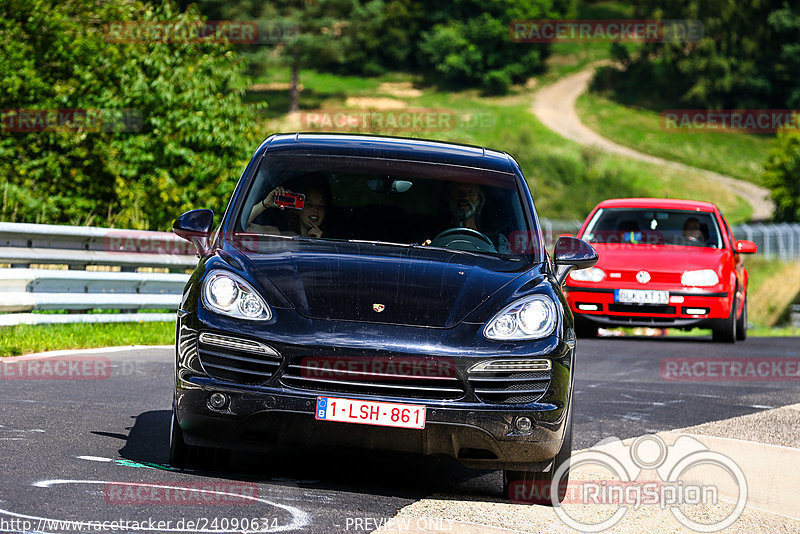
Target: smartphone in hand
290 200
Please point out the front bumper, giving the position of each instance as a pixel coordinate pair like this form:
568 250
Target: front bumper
275 414
681 312
482 438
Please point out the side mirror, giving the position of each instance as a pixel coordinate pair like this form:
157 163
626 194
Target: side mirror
195 226
745 247
571 253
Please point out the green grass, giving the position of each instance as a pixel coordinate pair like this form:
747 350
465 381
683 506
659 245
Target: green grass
567 58
761 269
24 339
752 331
557 169
736 154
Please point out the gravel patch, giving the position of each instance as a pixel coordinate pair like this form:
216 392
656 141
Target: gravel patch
478 505
774 427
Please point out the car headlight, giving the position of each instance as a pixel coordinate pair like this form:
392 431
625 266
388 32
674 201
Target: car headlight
532 317
592 274
228 294
701 278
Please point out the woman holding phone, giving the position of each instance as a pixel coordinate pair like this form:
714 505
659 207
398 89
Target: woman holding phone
305 221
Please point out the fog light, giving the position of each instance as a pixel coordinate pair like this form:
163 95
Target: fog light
695 311
523 424
218 400
588 307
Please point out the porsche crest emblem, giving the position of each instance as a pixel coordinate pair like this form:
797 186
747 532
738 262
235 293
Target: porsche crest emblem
378 307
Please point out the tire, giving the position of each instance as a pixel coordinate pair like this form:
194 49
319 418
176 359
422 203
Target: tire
537 484
183 456
741 323
584 328
178 450
725 331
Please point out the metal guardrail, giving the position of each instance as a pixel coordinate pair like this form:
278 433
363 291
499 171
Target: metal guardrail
24 290
781 241
552 228
76 290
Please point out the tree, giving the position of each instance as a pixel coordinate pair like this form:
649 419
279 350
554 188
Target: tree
782 175
463 42
748 56
470 43
314 36
191 133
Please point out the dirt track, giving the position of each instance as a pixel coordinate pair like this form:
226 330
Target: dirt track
554 105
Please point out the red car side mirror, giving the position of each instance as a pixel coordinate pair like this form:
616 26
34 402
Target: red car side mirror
746 247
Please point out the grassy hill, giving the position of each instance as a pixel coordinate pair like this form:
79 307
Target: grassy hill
567 180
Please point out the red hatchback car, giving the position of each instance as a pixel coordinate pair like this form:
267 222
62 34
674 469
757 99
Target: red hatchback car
663 263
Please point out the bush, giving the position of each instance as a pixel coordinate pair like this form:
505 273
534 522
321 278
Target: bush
189 141
782 175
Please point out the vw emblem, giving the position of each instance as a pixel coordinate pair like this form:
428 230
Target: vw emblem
378 307
642 277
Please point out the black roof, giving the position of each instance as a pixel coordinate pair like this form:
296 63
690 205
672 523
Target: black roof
391 148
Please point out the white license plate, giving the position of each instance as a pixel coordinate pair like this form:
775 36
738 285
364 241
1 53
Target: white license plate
370 413
641 296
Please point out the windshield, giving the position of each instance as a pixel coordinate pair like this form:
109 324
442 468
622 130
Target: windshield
639 226
392 202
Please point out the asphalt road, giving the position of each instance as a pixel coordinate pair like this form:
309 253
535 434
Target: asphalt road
93 450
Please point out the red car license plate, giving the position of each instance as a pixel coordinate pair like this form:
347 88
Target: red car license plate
370 413
642 296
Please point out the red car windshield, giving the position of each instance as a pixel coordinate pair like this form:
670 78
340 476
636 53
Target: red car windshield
654 227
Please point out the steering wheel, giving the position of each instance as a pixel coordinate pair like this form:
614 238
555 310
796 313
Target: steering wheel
463 239
694 240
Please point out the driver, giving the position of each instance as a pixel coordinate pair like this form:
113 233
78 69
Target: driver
692 232
465 202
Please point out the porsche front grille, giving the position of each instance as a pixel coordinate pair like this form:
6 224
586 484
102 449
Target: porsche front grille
371 382
237 359
510 381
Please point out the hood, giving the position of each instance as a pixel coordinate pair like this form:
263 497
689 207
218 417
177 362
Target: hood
385 284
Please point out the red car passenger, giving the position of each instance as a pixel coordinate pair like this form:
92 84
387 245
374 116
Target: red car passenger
664 263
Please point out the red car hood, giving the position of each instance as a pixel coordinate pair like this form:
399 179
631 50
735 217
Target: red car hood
657 258
664 263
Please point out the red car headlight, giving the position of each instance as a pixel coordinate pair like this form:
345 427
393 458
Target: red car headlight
592 274
700 278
